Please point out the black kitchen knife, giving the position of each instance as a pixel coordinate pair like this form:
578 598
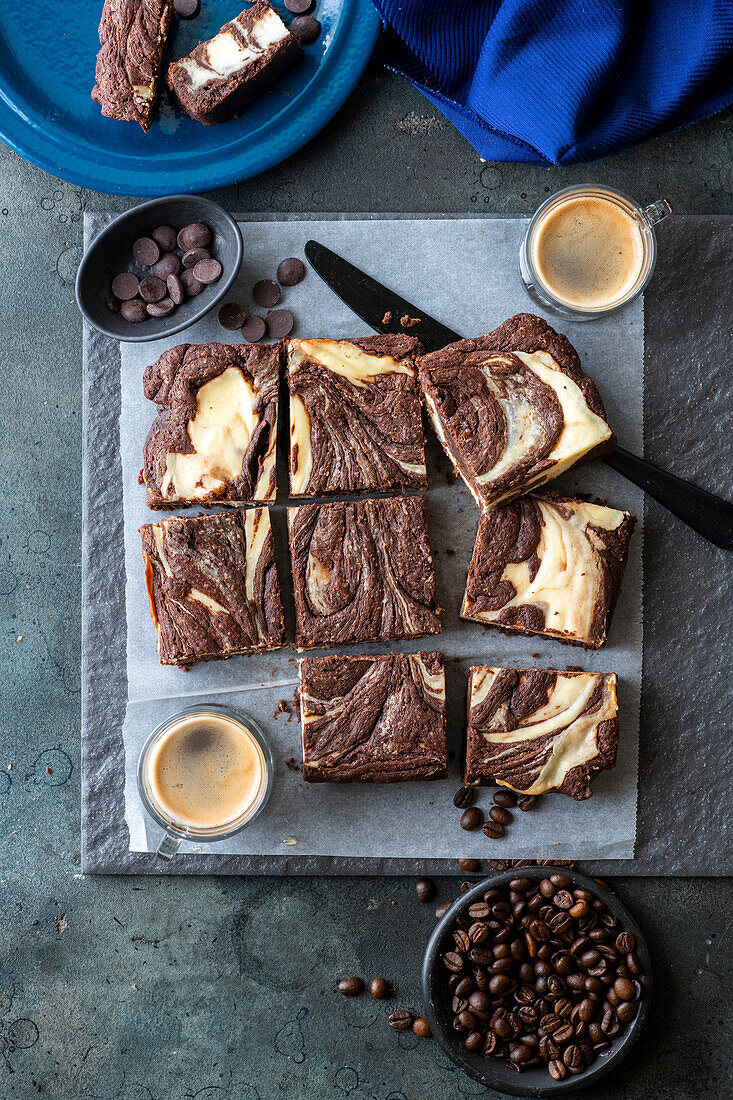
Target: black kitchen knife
383 310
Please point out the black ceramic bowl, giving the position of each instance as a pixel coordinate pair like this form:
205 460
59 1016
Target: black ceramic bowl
111 252
490 1071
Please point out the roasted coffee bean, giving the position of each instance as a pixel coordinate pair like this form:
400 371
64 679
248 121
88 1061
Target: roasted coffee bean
580 909
470 819
633 963
464 1021
464 987
466 886
497 864
610 1023
425 889
253 329
624 989
555 985
491 1043
539 930
528 1015
464 797
443 909
526 802
493 830
557 1069
505 798
560 882
134 311
563 899
613 998
168 264
625 941
400 1020
461 940
563 1033
479 1002
473 866
479 910
453 961
481 979
125 286
520 1052
563 962
500 815
421 1027
573 1056
525 996
305 28
520 885
562 1007
474 1041
146 251
351 987
459 1004
195 235
165 237
478 932
501 985
379 988
626 1012
292 270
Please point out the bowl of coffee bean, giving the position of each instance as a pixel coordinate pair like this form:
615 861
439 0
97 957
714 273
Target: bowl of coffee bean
158 268
537 981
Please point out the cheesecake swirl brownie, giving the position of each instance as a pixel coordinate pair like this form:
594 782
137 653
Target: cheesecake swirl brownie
133 35
373 719
355 421
220 76
214 438
513 409
551 565
213 586
538 730
362 572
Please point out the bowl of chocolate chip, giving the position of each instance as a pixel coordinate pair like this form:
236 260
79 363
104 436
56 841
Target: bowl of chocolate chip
537 981
159 268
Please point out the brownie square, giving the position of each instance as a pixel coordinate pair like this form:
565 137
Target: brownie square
550 565
213 586
513 409
214 438
373 719
362 572
133 35
220 76
355 420
536 730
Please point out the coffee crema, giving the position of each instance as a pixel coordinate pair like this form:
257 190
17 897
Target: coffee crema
588 252
206 771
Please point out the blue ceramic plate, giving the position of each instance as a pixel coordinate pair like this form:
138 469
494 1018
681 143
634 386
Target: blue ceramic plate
47 56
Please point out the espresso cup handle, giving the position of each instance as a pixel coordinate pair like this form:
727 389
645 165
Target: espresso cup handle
657 211
169 845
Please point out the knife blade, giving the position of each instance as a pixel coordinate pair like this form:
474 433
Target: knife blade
709 515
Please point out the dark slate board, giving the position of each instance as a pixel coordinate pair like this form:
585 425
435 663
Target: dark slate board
683 824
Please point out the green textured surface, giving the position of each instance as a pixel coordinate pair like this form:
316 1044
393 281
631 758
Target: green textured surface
132 989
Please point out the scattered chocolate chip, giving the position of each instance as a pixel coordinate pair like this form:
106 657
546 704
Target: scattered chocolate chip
161 308
421 1027
279 323
306 28
253 329
409 322
473 866
187 9
351 987
146 251
176 290
207 271
192 257
196 235
125 286
299 7
471 819
292 270
231 316
464 797
134 311
400 1020
191 284
165 237
168 264
113 304
266 293
152 289
425 889
379 989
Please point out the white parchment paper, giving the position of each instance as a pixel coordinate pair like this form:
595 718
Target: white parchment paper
464 272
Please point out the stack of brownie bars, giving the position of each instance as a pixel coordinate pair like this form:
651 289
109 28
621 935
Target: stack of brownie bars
513 410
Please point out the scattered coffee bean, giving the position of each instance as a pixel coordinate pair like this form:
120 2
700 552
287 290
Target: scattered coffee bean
493 830
507 799
194 255
292 270
134 311
425 889
299 7
443 909
379 988
526 802
473 866
125 286
279 323
625 942
146 251
266 293
464 797
421 1027
400 1020
306 28
152 289
176 290
196 235
471 819
161 308
497 864
191 284
207 271
500 815
253 329
168 264
231 316
351 987
187 9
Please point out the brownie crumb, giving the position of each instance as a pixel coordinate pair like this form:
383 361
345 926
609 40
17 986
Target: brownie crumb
387 317
409 322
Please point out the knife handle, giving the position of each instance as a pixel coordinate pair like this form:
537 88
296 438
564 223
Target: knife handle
710 516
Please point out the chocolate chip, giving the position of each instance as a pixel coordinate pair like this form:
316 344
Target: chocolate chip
266 293
125 286
165 236
291 270
187 9
176 289
470 819
424 889
379 989
195 235
113 304
134 311
161 308
146 251
351 987
279 323
231 316
192 257
306 28
191 284
299 7
152 289
168 264
207 271
253 329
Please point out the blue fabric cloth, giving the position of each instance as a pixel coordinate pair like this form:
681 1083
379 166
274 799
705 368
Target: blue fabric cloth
563 81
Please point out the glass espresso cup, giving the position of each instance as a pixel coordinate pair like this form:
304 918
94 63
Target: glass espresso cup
589 250
203 775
